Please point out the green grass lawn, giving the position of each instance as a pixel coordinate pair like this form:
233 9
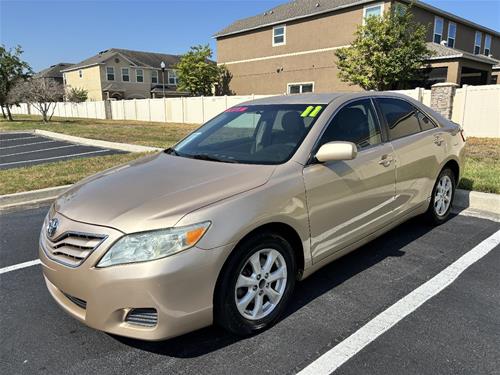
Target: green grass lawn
60 173
482 166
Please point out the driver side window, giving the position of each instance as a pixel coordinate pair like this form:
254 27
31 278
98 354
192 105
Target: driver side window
356 123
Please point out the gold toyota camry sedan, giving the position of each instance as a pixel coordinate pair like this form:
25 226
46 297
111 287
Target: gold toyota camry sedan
219 228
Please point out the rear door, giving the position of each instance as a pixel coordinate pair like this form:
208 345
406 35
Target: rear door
419 148
350 199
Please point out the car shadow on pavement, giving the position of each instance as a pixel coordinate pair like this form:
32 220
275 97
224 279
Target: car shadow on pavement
213 338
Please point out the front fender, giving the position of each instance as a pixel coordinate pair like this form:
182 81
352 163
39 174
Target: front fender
281 200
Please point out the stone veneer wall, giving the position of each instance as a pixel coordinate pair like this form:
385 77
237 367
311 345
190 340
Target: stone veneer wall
442 95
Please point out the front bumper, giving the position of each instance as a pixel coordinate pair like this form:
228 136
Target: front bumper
180 288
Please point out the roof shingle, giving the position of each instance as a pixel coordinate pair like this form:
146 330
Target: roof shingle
139 58
443 52
53 71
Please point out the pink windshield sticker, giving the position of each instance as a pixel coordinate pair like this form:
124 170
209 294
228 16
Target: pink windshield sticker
237 109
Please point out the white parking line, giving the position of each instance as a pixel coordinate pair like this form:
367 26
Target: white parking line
341 353
52 158
43 149
19 266
15 139
28 144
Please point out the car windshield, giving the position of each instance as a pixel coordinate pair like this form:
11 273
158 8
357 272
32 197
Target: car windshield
253 134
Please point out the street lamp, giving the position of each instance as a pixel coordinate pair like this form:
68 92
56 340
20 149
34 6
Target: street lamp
162 66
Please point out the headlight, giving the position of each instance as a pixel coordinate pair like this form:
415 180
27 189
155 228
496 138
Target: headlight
145 246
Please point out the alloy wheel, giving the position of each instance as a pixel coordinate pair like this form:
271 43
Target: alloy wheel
261 284
443 195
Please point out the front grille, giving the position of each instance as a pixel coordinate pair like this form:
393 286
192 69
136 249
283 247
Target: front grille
77 301
142 317
72 248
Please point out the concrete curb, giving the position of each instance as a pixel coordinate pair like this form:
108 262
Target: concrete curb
478 202
31 197
96 142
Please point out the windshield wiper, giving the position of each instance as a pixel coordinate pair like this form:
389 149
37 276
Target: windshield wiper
212 158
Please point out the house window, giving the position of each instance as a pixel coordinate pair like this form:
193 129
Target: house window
125 75
279 35
172 77
80 73
139 75
452 34
154 76
477 42
300 88
110 73
438 29
372 11
487 44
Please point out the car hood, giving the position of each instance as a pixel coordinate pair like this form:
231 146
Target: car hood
156 191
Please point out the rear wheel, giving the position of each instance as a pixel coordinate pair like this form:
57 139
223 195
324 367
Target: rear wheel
256 284
442 197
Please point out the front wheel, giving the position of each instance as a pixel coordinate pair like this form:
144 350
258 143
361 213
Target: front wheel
256 284
442 197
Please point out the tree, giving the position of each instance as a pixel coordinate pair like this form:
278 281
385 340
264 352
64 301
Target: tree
387 54
197 74
77 95
41 93
222 85
12 70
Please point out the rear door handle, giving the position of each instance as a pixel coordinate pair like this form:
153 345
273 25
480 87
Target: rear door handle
386 160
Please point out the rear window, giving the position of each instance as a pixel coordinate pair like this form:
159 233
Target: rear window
401 117
425 122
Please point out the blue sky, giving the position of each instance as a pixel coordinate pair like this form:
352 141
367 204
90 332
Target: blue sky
72 30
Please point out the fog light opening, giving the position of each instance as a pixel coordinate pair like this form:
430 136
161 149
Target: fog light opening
145 317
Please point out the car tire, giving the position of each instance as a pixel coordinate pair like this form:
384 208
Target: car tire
442 197
263 293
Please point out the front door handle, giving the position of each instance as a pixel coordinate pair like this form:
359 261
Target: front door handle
386 160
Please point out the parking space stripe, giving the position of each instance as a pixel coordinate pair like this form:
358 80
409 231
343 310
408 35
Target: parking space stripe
19 266
17 139
341 353
54 157
43 149
28 144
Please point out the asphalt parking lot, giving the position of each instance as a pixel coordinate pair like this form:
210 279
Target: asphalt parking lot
25 149
455 332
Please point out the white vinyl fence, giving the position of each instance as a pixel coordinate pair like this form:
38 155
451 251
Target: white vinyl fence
66 109
476 108
194 110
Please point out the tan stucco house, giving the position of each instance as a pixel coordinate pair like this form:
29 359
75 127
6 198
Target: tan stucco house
124 74
291 48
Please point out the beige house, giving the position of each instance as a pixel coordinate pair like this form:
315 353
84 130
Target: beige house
291 48
124 74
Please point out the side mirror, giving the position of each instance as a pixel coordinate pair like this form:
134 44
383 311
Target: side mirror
336 151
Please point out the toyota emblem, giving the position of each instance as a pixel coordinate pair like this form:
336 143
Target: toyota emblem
52 227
